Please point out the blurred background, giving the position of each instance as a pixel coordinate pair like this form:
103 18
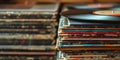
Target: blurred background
53 1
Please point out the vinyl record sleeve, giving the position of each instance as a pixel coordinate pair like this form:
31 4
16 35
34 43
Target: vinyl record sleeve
76 24
89 16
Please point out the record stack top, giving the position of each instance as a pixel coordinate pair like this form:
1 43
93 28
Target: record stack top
89 31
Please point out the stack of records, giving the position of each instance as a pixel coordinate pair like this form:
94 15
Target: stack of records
28 32
89 31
